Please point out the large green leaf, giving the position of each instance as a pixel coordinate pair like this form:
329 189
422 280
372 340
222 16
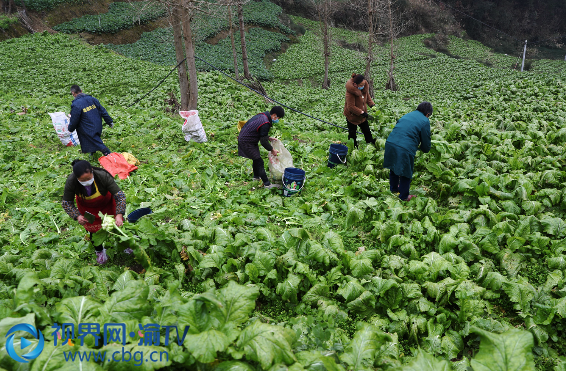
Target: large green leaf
196 313
52 359
288 289
362 350
266 344
316 361
353 216
80 309
205 345
130 303
238 303
234 366
426 362
123 280
509 351
360 267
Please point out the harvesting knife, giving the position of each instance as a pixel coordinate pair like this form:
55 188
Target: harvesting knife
90 217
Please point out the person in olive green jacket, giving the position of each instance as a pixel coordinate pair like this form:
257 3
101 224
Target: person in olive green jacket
412 132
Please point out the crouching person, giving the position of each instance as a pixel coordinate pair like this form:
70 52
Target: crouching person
254 131
95 190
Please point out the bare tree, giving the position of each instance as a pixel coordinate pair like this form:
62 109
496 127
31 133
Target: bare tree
184 14
175 17
375 10
240 4
230 4
232 36
190 9
325 10
395 27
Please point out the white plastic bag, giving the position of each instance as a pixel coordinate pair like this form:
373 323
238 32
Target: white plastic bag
60 124
278 164
192 127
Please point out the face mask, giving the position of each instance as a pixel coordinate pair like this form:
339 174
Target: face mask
276 121
361 87
87 183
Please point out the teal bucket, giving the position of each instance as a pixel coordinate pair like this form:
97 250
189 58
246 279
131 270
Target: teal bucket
293 181
338 153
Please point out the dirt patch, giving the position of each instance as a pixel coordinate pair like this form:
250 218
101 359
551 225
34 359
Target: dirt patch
359 47
124 36
15 30
225 33
268 59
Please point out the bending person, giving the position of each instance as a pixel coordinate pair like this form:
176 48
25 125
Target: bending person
254 131
87 116
411 132
355 108
95 190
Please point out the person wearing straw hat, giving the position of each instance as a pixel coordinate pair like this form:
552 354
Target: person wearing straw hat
256 130
411 132
95 190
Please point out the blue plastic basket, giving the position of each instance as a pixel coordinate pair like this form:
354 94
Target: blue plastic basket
138 213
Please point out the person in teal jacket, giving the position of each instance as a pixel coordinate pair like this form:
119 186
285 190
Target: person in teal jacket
411 132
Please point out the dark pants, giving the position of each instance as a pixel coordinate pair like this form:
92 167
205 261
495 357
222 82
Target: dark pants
98 248
259 171
364 127
399 184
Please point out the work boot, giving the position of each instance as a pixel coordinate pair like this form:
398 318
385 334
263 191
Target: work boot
269 186
409 197
256 178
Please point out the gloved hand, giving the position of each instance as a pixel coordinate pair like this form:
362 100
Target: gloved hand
111 125
365 114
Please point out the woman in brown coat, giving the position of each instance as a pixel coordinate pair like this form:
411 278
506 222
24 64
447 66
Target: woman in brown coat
355 108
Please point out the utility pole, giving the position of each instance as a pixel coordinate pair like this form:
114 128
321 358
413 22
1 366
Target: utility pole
524 57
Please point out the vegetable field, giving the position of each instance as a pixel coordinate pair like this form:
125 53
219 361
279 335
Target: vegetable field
470 275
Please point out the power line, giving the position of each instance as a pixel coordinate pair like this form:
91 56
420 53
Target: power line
247 86
269 98
160 83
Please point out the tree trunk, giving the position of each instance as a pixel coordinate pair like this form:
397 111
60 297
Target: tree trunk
191 60
370 40
233 49
325 82
371 32
391 79
176 16
243 44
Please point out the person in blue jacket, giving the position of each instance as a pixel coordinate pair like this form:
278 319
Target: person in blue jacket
412 132
256 130
87 116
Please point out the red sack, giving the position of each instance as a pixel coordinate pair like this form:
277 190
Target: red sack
115 163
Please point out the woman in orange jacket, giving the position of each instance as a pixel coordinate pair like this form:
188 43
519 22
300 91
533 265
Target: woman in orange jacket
355 108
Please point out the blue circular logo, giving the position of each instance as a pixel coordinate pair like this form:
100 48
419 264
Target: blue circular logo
24 343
